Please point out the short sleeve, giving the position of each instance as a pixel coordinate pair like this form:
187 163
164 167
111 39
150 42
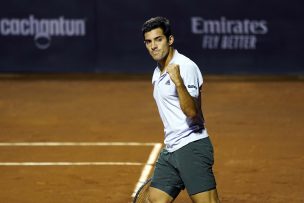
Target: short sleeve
192 78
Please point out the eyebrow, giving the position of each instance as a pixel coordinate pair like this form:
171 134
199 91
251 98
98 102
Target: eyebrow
155 38
158 37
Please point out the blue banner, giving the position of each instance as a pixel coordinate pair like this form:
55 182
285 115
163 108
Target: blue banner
234 37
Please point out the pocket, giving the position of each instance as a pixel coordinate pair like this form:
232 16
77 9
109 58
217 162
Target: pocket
204 149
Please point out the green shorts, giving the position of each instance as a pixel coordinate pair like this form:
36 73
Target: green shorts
189 167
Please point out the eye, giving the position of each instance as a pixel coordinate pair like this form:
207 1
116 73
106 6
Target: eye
146 42
159 39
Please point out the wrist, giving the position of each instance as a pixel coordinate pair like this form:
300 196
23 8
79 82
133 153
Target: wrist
179 84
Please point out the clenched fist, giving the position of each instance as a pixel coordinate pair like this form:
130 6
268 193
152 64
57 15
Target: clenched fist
174 73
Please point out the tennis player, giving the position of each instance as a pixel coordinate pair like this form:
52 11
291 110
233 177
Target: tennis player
187 159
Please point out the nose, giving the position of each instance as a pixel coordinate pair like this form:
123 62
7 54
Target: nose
153 45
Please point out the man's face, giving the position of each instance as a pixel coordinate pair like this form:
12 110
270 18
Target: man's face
157 44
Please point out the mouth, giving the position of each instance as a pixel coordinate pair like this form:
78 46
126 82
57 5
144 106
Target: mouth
155 52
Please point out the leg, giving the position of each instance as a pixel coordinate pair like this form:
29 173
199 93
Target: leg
206 197
166 183
158 196
195 162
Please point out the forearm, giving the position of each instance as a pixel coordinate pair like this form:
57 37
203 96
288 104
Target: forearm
187 102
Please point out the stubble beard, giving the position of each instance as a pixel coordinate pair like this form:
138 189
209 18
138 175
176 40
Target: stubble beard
159 58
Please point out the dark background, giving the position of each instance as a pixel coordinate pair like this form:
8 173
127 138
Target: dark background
113 42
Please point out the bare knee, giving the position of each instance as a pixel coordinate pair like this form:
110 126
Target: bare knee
158 196
206 197
154 199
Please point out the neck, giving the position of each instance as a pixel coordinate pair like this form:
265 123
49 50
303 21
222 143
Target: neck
163 63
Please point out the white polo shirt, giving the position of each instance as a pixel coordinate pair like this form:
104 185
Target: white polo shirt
179 130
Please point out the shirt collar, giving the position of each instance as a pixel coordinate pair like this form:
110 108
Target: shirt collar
175 53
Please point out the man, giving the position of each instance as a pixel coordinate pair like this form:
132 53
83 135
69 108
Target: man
187 159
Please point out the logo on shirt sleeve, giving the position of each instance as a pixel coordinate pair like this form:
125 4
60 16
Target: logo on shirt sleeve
168 82
192 86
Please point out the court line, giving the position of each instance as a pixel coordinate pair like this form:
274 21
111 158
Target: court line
55 144
71 164
148 167
42 144
144 174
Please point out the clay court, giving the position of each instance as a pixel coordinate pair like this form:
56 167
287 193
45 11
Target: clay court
89 139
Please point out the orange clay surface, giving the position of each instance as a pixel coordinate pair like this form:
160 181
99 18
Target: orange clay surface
256 126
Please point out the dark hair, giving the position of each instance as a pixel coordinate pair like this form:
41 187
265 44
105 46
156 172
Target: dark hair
157 22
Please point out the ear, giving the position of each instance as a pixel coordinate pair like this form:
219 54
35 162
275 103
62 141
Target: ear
171 40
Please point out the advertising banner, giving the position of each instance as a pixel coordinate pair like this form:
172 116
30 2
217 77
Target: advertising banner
47 36
224 37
